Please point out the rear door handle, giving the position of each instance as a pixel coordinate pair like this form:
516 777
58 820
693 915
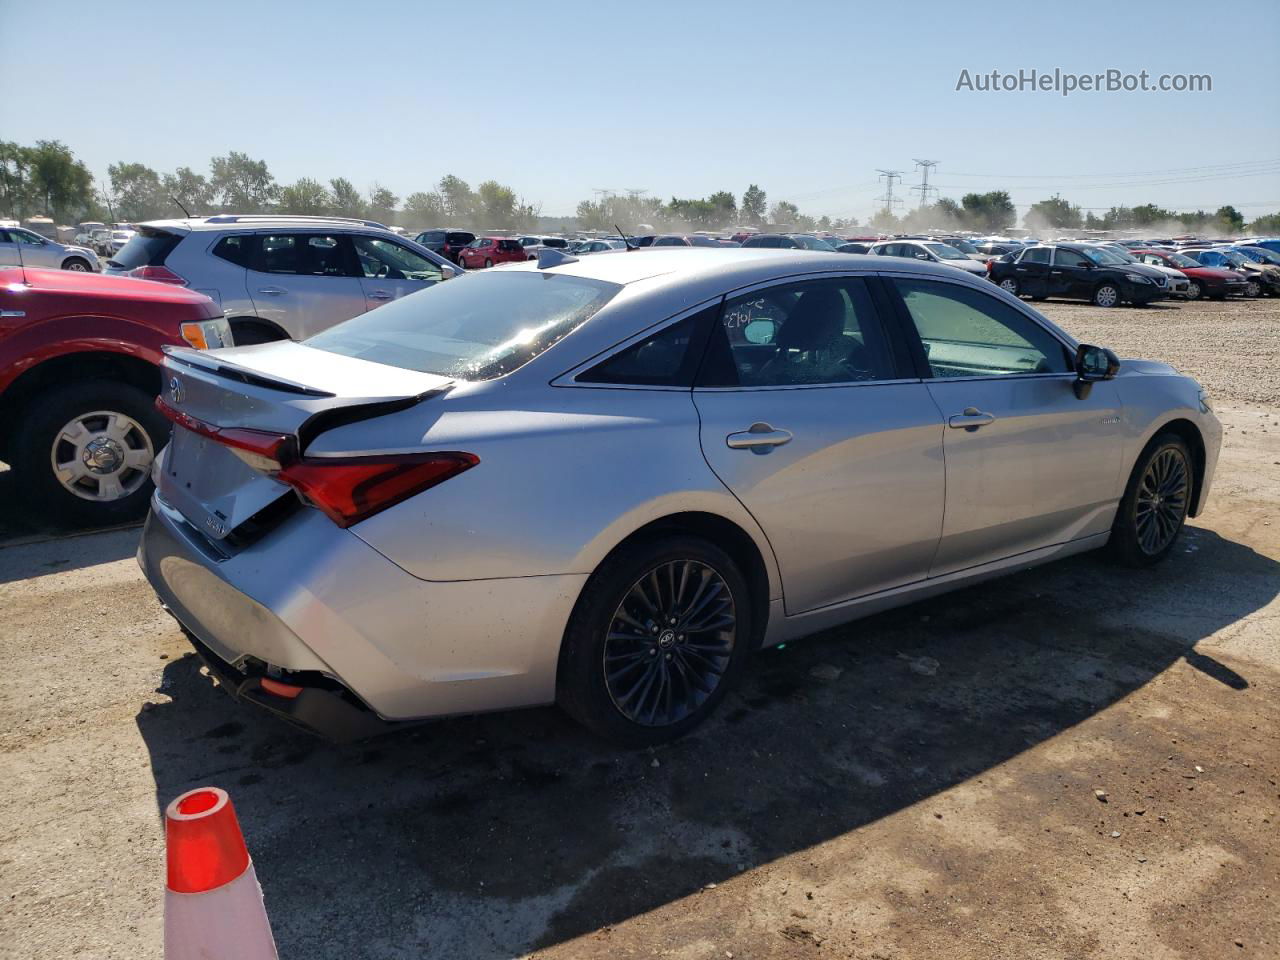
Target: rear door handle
271 291
760 438
379 295
970 420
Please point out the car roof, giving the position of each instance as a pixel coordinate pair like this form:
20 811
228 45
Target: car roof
238 221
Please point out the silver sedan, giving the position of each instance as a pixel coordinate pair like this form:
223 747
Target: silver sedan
22 247
604 482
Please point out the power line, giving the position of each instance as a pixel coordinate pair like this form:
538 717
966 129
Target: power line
924 166
1137 173
889 177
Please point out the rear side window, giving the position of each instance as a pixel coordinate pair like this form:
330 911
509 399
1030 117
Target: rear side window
812 332
237 249
145 250
459 239
669 358
1035 255
278 253
477 327
511 246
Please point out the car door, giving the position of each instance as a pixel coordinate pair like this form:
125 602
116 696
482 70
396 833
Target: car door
1029 463
8 250
305 282
1031 270
807 418
390 270
1070 275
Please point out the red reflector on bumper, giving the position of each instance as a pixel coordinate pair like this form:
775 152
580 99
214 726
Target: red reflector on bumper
286 690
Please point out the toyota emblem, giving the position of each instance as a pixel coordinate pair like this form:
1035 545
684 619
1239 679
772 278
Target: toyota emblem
175 389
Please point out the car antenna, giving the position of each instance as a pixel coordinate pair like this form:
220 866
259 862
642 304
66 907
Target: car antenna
22 266
180 206
625 238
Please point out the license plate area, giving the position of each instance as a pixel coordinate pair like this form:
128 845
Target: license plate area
210 486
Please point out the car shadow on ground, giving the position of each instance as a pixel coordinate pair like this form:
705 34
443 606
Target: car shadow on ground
486 837
20 524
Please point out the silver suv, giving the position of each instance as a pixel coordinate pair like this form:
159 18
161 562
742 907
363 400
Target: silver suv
279 277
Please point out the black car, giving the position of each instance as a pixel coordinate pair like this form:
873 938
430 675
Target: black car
1077 272
447 243
994 251
854 246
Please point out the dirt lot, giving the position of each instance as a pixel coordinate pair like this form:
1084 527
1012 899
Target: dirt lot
929 792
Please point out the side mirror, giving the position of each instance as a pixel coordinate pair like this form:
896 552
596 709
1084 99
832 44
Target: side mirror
1093 364
448 271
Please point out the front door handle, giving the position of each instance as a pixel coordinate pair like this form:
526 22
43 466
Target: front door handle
760 438
970 420
379 295
271 291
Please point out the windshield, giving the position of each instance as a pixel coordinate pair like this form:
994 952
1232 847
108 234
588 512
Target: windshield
1179 260
1122 253
1103 257
1258 254
1235 258
964 246
944 251
476 327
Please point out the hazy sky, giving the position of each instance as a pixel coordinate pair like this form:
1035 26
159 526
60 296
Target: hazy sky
558 99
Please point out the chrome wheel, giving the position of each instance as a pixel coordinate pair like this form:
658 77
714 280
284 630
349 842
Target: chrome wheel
102 456
1251 289
669 643
1010 285
1193 291
1107 296
78 266
1161 504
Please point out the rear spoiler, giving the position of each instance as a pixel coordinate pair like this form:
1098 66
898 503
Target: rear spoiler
193 358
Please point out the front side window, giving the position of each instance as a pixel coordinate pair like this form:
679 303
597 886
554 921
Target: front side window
324 255
478 327
384 258
27 239
812 332
967 333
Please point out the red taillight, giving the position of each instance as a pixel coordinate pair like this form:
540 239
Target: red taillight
261 449
346 489
158 274
351 489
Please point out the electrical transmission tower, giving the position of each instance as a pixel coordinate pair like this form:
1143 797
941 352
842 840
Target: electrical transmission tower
889 177
924 166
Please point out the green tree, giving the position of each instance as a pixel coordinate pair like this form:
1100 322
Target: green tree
1092 222
62 184
459 200
137 192
1266 224
784 212
15 180
307 197
495 205
190 188
1229 219
423 210
382 204
1147 214
1054 212
754 202
884 221
347 201
242 184
989 211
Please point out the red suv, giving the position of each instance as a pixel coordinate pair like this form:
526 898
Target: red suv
79 373
486 251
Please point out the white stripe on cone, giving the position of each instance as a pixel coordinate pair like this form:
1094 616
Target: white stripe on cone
227 923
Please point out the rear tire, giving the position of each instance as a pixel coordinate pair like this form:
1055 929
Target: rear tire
1253 289
1010 285
646 639
106 433
1194 291
1155 503
488 262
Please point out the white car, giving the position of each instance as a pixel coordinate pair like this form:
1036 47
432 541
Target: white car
931 251
598 246
22 247
282 277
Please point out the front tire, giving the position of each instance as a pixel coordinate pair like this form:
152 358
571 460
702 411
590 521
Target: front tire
658 637
1194 292
1107 295
1253 289
1155 503
77 265
487 262
83 452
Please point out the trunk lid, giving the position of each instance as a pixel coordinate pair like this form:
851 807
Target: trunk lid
282 388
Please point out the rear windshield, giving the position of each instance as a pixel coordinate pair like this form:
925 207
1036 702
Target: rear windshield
476 327
459 238
144 250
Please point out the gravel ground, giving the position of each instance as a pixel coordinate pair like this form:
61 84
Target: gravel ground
918 784
1232 347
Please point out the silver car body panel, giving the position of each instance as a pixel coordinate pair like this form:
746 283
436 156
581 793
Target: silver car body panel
41 252
456 600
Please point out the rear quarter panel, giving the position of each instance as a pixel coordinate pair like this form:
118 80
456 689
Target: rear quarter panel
565 474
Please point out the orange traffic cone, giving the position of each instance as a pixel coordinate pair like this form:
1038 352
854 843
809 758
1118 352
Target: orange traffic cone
212 904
